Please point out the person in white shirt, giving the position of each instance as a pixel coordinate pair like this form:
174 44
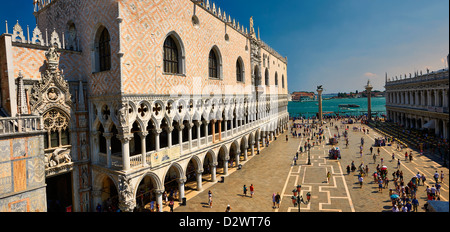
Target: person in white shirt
436 176
433 190
395 209
419 177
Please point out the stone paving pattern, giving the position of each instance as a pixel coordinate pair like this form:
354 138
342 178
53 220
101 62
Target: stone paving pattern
273 171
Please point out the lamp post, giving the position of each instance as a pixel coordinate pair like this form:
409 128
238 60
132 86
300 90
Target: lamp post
297 198
309 154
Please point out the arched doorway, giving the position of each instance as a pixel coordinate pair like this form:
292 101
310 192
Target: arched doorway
192 175
222 161
145 195
173 182
109 196
209 168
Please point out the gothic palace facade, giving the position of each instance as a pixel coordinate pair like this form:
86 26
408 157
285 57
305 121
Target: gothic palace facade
113 102
420 101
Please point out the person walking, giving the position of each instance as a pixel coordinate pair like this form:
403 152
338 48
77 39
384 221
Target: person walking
171 203
252 190
371 149
415 204
360 179
436 176
228 209
380 185
328 177
393 156
245 190
423 179
277 200
273 200
442 176
210 199
398 163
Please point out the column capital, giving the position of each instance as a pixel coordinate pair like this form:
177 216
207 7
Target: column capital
181 180
125 137
180 126
143 134
108 135
156 131
213 164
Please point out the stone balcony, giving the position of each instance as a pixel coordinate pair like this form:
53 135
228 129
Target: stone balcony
153 159
11 126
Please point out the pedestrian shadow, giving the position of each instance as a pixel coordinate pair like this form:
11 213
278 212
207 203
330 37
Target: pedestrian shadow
242 195
205 204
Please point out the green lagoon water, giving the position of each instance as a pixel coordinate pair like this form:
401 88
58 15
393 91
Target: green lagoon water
309 109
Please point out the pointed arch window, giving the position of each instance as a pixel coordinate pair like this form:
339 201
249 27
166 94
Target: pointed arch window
104 50
239 71
276 79
56 124
213 64
266 78
171 56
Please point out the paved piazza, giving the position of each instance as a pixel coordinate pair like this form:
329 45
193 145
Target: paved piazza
272 171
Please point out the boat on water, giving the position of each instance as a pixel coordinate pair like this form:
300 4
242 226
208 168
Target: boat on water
348 106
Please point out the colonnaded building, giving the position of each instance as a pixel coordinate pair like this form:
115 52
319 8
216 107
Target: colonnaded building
420 101
113 102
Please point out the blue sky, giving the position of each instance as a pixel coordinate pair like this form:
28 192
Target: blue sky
339 44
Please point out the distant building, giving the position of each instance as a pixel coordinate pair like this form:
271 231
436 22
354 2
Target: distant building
303 96
420 102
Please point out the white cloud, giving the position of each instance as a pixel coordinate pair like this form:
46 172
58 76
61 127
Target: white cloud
369 74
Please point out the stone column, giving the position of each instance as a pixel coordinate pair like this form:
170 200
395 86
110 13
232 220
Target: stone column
252 147
445 130
245 152
213 130
445 96
143 147
213 171
169 136
190 135
198 124
157 132
159 200
206 131
180 136
225 164
319 91
238 154
108 137
369 103
199 180
181 182
258 148
125 139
